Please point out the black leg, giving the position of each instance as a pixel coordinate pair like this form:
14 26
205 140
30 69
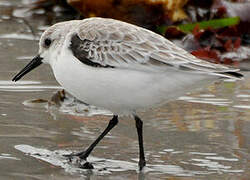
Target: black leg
112 123
139 124
83 155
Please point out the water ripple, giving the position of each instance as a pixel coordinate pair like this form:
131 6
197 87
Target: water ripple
212 100
25 86
107 166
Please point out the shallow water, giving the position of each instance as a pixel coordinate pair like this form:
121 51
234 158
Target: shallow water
202 135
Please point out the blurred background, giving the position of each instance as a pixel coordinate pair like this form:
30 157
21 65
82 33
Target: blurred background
204 134
215 30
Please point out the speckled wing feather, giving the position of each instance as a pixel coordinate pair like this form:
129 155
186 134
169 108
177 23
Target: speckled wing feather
114 43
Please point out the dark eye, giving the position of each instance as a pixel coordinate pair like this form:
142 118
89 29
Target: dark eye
47 42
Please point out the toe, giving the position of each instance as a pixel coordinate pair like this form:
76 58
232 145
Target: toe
142 163
86 165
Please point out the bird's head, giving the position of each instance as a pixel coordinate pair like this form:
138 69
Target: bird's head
50 45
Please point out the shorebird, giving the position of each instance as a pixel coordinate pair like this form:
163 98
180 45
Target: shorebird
120 67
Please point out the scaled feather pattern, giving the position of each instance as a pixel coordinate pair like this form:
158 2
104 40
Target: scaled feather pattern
120 44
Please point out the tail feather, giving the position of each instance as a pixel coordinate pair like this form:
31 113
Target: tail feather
232 74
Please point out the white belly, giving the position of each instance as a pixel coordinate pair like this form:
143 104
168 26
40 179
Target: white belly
122 91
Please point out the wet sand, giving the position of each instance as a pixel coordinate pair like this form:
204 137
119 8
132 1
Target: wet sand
202 135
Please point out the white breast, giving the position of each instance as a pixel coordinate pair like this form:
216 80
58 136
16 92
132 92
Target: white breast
122 91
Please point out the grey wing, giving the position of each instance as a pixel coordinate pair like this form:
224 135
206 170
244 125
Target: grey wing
113 43
82 50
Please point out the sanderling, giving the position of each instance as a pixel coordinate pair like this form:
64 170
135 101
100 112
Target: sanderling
120 67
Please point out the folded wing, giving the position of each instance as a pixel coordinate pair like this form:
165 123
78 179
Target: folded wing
110 43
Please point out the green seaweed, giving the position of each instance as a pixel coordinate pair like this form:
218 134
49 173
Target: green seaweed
215 24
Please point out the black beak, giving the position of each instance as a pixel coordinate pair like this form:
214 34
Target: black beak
36 61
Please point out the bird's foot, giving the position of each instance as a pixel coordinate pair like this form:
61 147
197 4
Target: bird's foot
141 164
79 160
83 164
